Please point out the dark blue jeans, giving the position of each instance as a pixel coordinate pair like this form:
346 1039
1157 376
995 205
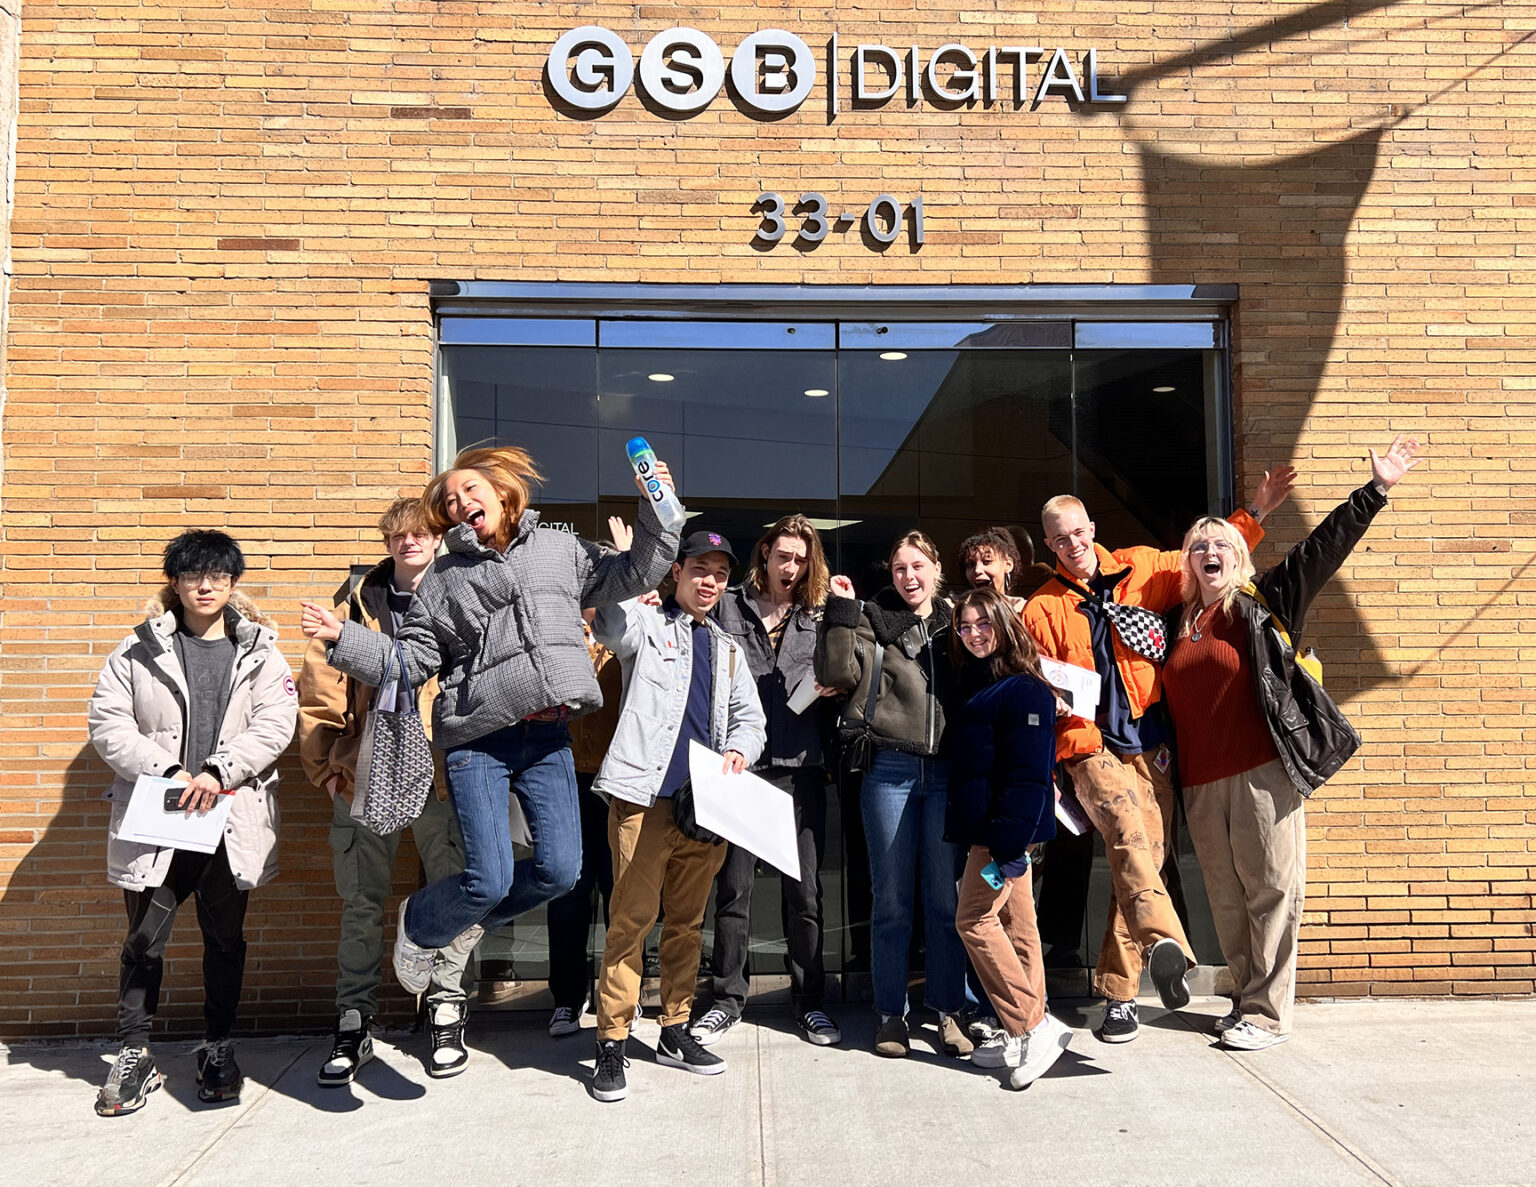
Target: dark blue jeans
903 803
531 760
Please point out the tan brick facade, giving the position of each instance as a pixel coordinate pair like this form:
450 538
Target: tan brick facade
227 218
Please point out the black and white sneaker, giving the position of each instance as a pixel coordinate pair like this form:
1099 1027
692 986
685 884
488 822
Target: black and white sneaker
219 1080
819 1029
353 1048
608 1075
1167 965
449 1055
709 1029
678 1048
132 1078
564 1021
1121 1024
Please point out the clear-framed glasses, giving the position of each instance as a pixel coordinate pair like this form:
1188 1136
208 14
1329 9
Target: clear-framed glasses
215 580
1202 547
979 629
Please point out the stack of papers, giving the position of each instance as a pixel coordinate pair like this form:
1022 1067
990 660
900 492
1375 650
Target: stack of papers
146 821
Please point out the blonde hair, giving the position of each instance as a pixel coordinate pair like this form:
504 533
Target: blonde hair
814 582
509 470
404 515
1055 506
1242 572
921 542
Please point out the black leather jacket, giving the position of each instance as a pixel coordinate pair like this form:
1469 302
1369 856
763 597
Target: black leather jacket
794 739
1311 733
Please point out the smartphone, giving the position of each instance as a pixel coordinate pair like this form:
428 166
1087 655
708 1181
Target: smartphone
173 797
992 876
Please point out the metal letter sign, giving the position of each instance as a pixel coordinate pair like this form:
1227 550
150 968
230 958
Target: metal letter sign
773 72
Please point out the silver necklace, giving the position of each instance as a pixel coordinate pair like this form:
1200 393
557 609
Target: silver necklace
1194 626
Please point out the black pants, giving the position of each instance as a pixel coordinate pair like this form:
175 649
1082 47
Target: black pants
570 916
151 913
801 903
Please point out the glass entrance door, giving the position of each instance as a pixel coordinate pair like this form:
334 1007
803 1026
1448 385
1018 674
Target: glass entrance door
870 429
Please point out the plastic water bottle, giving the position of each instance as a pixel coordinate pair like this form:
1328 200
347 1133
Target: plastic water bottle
663 501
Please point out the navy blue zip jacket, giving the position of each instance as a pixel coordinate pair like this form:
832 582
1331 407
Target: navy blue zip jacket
1002 764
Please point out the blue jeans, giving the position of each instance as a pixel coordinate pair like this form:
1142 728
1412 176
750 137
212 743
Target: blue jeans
532 760
903 808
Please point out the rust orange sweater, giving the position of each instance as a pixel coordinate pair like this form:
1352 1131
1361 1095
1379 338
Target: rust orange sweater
1208 686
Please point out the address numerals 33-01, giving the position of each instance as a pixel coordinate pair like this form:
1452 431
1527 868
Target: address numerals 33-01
882 218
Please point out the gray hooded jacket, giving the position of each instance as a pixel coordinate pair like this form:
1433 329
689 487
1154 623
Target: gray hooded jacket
502 630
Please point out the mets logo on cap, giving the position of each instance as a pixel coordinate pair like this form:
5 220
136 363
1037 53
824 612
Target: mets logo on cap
716 539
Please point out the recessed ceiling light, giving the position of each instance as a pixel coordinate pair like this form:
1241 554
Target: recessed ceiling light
661 377
816 391
1164 388
893 356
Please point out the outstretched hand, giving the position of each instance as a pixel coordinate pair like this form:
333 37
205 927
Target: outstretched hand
1275 488
317 622
1401 456
841 587
623 535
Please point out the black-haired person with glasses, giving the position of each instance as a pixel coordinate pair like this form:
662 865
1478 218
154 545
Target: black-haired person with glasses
198 693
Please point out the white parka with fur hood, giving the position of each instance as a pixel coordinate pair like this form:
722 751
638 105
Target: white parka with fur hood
138 724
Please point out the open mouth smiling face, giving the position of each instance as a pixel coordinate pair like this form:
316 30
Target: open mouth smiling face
469 499
1213 561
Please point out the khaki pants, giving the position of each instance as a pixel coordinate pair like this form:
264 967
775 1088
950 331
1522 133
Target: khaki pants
998 927
363 863
1250 835
1130 802
651 858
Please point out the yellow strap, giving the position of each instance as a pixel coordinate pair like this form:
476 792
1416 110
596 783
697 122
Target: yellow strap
1311 665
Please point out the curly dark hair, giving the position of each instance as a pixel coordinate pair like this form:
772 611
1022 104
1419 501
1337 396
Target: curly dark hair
998 540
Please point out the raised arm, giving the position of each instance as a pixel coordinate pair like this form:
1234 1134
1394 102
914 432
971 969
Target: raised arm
837 651
363 654
1291 586
641 562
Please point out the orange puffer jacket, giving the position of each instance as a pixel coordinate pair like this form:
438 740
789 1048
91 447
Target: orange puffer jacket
1147 577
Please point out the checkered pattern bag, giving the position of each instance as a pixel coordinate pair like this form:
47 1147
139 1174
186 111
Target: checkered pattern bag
1140 629
394 759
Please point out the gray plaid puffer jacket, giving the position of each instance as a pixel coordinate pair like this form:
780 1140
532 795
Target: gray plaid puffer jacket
502 631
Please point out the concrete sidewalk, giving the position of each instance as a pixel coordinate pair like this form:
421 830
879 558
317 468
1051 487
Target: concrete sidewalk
1366 1093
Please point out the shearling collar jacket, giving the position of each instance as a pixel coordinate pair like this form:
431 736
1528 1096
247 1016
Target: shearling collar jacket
915 669
138 724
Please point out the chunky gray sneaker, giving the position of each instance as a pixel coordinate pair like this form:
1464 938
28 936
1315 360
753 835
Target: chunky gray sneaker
219 1080
1227 1021
132 1078
353 1048
711 1028
413 964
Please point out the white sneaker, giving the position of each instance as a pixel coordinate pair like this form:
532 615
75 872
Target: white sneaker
1245 1036
1046 1043
563 1021
413 964
711 1028
1227 1021
1000 1050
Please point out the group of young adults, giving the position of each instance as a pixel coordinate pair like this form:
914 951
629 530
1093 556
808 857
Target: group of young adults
514 639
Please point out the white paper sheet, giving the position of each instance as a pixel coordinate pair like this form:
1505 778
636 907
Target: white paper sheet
148 823
744 809
805 694
1070 814
1081 684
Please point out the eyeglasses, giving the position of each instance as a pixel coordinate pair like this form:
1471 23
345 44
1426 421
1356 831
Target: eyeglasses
975 628
1201 547
213 579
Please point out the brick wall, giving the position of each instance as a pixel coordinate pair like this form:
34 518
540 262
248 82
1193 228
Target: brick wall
227 218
